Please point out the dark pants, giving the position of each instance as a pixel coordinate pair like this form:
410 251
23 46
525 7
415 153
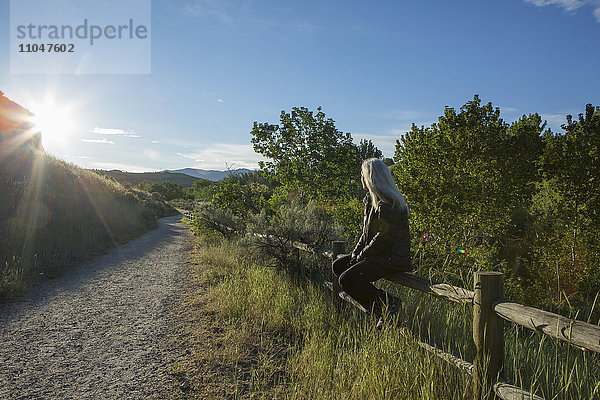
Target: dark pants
356 280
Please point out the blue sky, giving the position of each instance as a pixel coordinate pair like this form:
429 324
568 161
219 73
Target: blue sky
374 67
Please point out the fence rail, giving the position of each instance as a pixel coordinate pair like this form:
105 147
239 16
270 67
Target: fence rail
490 308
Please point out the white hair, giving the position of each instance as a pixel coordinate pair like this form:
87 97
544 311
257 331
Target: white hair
376 177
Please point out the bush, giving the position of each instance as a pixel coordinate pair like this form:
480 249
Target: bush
242 194
170 190
272 238
349 216
218 219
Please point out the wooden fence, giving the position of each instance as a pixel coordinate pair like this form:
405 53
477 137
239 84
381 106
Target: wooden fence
490 309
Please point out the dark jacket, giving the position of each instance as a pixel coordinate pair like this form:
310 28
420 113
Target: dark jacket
385 237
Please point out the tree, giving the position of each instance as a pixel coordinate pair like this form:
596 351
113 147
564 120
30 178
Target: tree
169 190
572 162
573 159
309 155
201 189
366 149
467 175
242 194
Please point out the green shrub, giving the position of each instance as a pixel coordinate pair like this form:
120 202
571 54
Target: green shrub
272 238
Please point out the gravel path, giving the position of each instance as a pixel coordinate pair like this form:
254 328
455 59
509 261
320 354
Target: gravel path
101 331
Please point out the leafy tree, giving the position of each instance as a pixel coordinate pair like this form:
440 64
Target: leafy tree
169 190
467 175
573 159
201 189
309 155
366 149
242 194
572 164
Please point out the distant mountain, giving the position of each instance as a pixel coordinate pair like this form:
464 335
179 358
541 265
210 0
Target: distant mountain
210 174
135 178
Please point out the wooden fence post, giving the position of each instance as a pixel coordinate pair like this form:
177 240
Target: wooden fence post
488 333
337 247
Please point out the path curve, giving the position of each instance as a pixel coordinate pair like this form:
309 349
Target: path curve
101 331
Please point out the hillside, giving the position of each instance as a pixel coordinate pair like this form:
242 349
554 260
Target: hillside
209 174
54 214
135 178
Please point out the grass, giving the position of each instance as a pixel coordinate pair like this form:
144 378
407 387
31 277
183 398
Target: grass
295 345
540 364
54 214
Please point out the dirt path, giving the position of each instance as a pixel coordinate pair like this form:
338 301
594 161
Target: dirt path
102 331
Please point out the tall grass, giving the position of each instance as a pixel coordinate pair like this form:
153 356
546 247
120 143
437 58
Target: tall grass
339 355
540 364
53 214
332 355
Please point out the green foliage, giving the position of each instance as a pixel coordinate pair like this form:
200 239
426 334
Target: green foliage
466 177
309 155
201 189
183 204
570 213
242 194
349 216
333 353
574 160
145 186
388 161
470 164
366 149
169 190
217 219
272 237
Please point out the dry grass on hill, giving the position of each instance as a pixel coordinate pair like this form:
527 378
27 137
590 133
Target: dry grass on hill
54 214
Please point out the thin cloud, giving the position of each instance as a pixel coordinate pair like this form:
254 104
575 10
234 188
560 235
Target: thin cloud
219 100
556 120
570 5
103 141
153 154
306 27
219 155
155 141
210 8
114 131
109 131
385 143
77 157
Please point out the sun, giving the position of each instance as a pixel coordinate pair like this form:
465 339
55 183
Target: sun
54 121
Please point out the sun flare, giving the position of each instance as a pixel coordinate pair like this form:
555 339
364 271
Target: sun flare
55 121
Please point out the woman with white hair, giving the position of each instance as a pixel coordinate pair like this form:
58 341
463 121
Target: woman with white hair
384 246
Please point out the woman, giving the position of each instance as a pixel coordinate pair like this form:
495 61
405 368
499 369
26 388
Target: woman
384 246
